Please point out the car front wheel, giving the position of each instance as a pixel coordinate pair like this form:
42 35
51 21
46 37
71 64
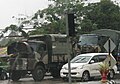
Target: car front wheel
85 76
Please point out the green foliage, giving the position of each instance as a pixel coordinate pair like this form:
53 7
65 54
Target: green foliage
104 67
101 15
55 15
92 16
105 14
14 31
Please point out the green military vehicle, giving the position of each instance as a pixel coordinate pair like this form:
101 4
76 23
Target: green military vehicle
90 43
95 41
4 67
37 55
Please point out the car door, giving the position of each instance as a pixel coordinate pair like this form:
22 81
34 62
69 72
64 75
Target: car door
94 66
101 58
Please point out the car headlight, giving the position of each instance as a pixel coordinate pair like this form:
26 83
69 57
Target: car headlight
63 67
73 68
80 67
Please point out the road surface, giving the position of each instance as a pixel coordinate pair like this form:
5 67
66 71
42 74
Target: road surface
50 80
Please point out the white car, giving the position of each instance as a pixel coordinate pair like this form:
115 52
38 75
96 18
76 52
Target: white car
86 66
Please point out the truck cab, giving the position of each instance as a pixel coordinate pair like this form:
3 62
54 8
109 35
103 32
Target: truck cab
91 43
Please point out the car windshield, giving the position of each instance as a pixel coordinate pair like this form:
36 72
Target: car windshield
80 59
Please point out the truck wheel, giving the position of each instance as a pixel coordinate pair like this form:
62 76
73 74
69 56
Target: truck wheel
3 76
38 73
15 75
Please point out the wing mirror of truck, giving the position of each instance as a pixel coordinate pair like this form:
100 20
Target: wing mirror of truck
78 42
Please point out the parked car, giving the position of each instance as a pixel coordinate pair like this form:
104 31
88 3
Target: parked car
3 67
86 66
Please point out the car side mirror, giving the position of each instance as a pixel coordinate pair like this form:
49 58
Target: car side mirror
92 61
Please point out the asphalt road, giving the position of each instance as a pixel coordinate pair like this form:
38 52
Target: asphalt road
51 80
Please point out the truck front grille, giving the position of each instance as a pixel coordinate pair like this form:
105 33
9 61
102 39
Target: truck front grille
18 64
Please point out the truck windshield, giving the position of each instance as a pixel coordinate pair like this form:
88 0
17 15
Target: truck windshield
88 39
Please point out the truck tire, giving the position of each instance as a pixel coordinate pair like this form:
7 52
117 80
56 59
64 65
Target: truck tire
38 73
3 76
15 75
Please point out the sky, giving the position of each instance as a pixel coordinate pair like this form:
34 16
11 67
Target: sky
10 8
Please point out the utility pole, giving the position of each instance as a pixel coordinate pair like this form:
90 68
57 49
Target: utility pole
68 52
68 42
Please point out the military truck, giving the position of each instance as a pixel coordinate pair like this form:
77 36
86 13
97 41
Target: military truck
94 42
37 55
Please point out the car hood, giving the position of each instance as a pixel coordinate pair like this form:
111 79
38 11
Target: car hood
74 65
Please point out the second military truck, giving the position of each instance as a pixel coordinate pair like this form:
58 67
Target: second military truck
95 41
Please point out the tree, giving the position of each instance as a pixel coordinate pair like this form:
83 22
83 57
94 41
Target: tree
100 15
14 31
104 14
12 28
54 15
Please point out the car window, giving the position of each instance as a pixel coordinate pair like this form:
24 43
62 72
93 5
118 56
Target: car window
102 58
95 58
